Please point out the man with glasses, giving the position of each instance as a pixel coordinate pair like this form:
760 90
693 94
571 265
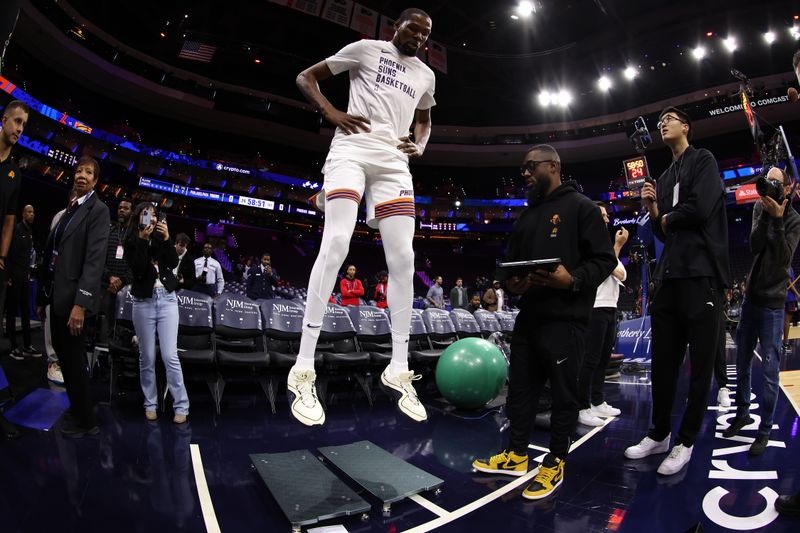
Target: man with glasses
547 343
687 212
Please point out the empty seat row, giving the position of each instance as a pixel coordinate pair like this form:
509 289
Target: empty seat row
262 338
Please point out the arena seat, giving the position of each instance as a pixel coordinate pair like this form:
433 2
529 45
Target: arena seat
440 327
420 351
487 322
340 350
506 320
373 332
123 353
283 326
196 341
465 323
238 328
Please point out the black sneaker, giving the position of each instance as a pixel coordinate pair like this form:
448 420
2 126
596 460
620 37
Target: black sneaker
759 445
8 430
788 505
77 432
30 351
16 354
736 426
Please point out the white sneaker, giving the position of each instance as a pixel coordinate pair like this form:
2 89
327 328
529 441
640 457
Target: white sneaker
724 397
588 418
405 394
677 459
647 447
54 374
303 397
604 410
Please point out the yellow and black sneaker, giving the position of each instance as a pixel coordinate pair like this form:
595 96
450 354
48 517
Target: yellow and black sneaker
505 462
549 478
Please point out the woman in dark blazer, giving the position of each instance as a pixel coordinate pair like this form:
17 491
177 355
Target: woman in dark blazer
74 257
152 256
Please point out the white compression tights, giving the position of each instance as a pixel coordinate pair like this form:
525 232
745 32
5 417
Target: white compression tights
397 234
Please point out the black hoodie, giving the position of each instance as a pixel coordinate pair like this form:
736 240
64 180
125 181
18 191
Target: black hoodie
773 241
568 225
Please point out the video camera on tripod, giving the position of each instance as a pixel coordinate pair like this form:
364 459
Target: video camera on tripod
772 152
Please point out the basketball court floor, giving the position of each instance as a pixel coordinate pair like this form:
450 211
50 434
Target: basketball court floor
153 477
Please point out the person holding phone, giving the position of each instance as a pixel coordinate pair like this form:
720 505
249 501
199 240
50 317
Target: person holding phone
548 339
152 256
600 337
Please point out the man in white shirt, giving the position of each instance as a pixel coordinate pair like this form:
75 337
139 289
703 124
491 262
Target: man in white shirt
600 337
208 272
501 296
390 88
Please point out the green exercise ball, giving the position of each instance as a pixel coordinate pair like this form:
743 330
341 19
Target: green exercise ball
471 372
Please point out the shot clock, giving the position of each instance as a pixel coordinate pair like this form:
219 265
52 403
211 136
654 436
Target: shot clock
636 171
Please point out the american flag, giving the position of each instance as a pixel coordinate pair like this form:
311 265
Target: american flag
197 51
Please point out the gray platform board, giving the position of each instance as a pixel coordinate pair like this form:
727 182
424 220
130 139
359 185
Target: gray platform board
306 491
383 475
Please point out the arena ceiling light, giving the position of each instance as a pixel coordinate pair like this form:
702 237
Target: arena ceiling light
563 98
794 31
604 83
729 43
525 8
630 73
699 53
770 37
545 98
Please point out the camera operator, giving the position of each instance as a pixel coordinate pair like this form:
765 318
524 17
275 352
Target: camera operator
773 240
687 211
548 339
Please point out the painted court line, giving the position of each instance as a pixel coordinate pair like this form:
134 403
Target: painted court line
209 516
538 448
791 399
480 502
429 505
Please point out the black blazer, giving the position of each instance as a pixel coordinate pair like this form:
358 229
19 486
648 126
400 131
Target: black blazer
140 255
186 271
80 263
259 284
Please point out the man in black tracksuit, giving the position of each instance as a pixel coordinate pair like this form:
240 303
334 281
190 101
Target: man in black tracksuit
554 311
687 211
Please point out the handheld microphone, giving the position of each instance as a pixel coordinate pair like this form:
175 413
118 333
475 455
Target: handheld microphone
791 92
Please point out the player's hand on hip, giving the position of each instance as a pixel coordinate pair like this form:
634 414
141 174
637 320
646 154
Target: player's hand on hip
350 124
408 147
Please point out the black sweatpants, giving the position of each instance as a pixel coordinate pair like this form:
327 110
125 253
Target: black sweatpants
599 343
685 312
71 353
18 297
720 366
540 352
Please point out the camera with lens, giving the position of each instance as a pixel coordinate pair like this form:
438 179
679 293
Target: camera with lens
770 187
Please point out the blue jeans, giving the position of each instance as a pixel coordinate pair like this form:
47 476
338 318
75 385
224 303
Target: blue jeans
159 314
766 325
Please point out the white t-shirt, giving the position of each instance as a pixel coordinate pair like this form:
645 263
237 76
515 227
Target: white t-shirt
608 291
386 87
